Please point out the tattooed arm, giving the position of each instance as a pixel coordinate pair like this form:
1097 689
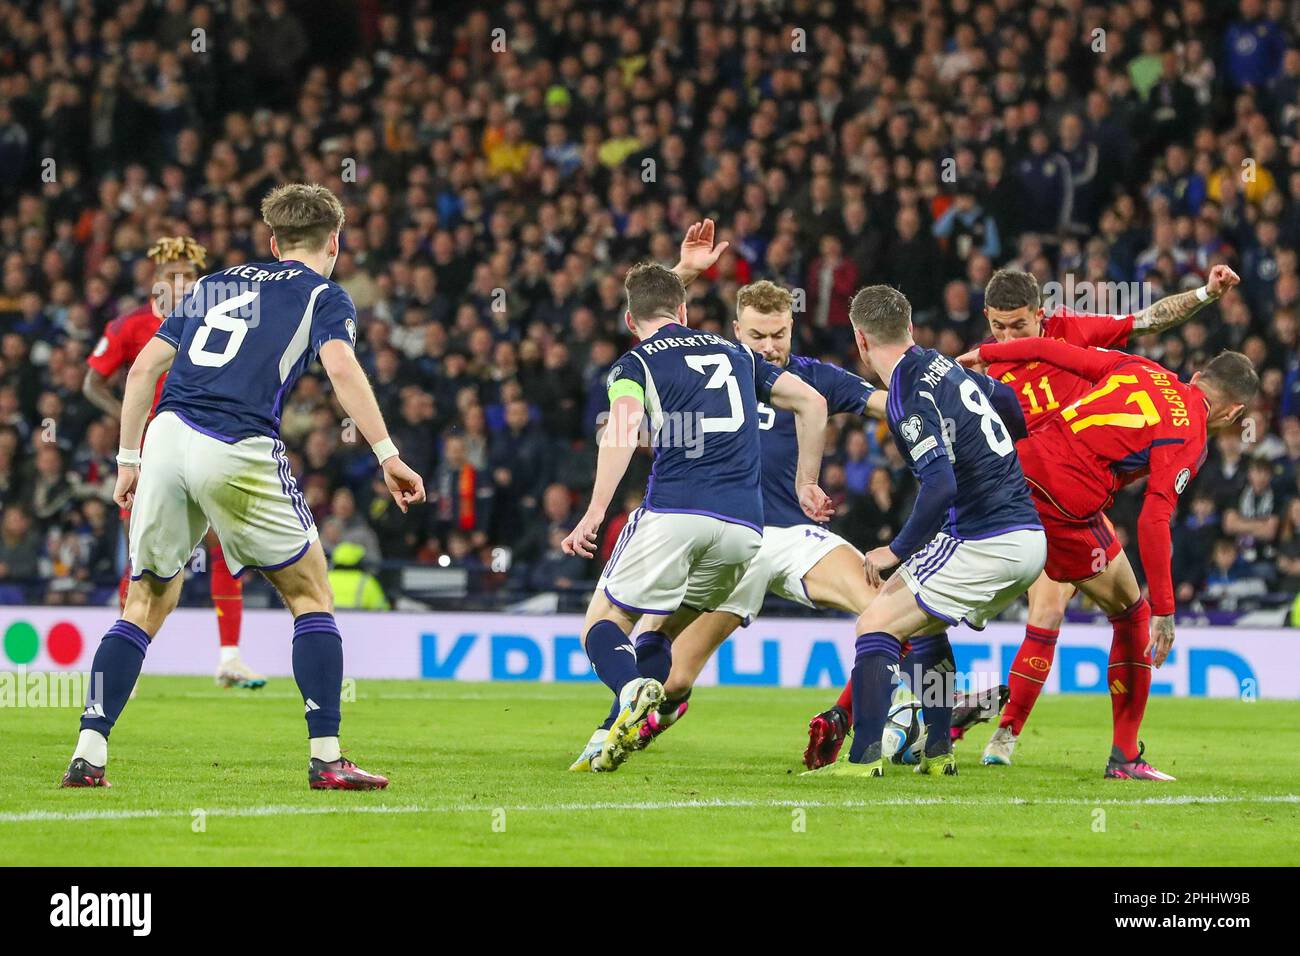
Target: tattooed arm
1178 308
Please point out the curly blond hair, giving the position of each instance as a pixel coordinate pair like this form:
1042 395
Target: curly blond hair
175 248
764 296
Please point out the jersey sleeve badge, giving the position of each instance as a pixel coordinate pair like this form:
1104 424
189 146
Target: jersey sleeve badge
910 429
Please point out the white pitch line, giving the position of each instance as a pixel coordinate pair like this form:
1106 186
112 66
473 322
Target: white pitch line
367 696
287 810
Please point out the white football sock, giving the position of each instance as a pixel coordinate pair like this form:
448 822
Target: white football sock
92 746
325 748
229 654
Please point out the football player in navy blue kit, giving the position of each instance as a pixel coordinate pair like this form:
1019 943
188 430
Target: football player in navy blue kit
972 544
799 560
684 550
233 351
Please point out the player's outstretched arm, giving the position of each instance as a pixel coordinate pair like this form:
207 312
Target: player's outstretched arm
1169 475
877 403
1176 309
141 385
96 389
698 253
358 400
618 443
1090 363
794 394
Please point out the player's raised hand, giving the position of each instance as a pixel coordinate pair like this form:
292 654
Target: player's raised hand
698 252
816 504
124 490
582 539
1220 280
971 360
877 562
406 487
1162 638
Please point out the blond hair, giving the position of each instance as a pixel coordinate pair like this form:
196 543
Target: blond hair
302 215
764 296
175 248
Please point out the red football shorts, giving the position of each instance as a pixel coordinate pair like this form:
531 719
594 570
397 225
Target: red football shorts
1070 497
1077 548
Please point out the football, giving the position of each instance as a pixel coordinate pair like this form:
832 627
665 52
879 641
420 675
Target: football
904 735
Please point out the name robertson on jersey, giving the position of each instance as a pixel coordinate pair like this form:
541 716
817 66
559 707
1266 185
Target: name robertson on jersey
684 341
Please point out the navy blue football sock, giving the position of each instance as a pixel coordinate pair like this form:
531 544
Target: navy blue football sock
612 655
875 675
932 668
654 658
113 674
654 655
318 669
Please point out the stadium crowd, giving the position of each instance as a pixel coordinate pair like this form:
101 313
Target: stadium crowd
501 170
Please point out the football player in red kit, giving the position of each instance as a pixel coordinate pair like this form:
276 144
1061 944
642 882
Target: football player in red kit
177 261
1012 307
1136 420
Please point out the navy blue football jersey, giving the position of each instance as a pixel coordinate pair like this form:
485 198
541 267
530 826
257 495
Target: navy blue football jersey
843 391
243 337
701 395
936 407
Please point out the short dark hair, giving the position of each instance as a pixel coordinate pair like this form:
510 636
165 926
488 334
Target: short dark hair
1010 289
881 313
653 291
1233 377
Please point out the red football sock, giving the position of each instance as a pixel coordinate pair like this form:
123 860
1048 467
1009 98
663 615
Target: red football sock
227 598
1129 675
1028 674
846 701
122 585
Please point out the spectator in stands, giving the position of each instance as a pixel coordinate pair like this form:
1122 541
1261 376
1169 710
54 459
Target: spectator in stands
352 586
20 546
555 570
1230 577
1255 520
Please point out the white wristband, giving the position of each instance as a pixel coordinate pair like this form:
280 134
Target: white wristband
1203 293
384 450
129 457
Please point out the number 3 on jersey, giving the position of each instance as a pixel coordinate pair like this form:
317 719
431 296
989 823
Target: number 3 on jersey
722 377
219 317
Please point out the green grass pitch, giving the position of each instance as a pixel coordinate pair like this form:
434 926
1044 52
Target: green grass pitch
207 777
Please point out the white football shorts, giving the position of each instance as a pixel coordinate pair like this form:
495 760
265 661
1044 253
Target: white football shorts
971 580
190 480
664 560
786 556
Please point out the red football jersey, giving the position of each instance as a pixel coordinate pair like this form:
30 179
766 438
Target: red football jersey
1044 389
123 340
1136 419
